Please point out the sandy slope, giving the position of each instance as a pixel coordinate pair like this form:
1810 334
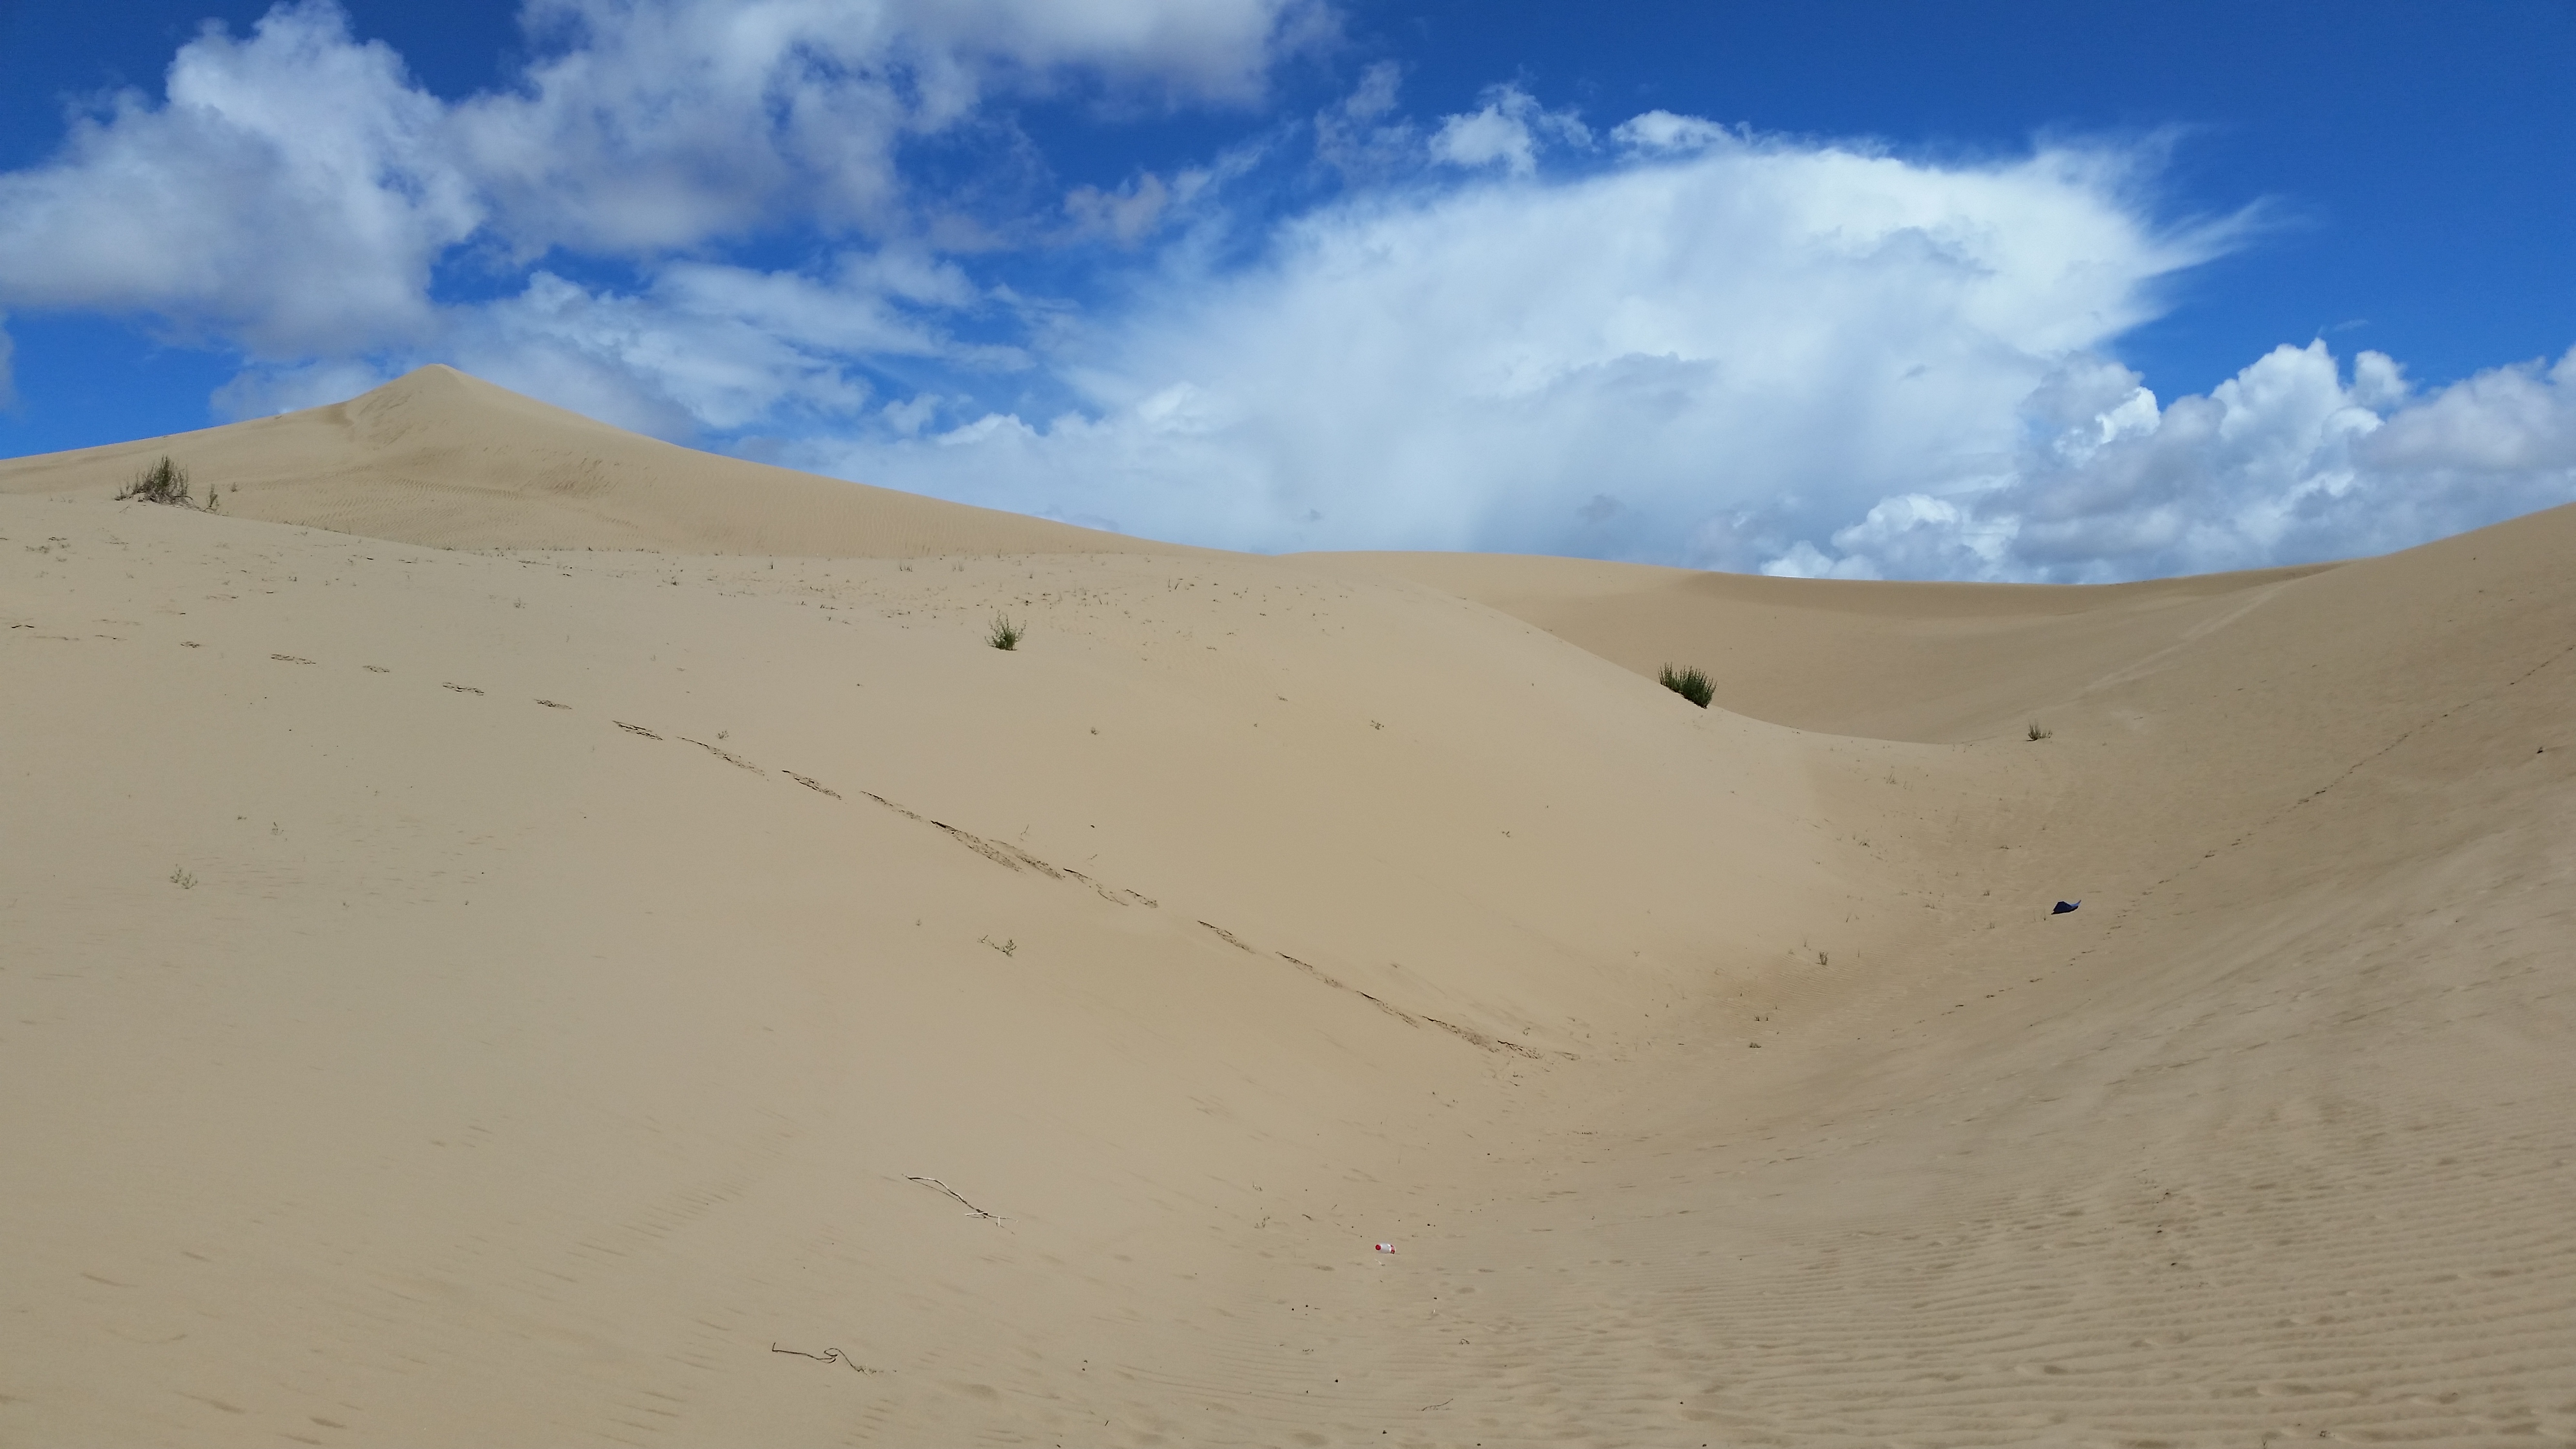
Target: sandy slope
580 963
1930 662
448 460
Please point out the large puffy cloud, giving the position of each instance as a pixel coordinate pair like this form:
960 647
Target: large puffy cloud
2290 461
1709 351
290 196
294 189
2511 422
1730 353
2210 480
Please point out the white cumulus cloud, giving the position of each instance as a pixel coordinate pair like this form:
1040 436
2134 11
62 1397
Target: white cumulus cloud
1796 358
291 195
1508 131
293 189
1664 131
1734 349
2290 461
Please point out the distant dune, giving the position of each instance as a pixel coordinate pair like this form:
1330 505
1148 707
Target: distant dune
447 460
514 933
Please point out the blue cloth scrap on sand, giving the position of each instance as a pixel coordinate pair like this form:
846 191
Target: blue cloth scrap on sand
2064 906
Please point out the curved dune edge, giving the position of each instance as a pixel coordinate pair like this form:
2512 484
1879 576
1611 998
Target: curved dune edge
440 458
706 996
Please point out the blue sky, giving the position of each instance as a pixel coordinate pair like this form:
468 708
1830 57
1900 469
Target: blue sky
2006 291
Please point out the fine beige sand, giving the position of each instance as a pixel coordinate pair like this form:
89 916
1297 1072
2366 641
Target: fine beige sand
516 934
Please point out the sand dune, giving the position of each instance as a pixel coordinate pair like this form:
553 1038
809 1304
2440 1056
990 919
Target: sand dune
494 960
448 460
1929 662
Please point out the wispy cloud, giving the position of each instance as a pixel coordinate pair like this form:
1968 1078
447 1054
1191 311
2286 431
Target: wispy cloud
662 125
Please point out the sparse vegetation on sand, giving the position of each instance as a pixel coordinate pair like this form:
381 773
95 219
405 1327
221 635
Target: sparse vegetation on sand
1690 684
163 482
2040 731
1005 634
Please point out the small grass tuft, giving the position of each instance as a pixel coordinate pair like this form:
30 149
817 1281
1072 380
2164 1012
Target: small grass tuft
1689 683
1005 634
2040 731
180 877
163 482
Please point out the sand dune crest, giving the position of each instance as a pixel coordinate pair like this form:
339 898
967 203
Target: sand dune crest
440 458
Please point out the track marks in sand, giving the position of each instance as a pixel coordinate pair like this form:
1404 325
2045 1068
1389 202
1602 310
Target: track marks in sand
1002 853
1399 1013
1009 857
808 781
1487 1043
728 756
1228 937
1472 1038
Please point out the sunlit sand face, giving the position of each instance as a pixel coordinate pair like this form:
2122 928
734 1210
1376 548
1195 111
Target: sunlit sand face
517 933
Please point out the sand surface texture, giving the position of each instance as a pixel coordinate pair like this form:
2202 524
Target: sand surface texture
516 934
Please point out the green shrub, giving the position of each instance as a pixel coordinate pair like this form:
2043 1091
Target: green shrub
163 482
1690 684
1005 635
